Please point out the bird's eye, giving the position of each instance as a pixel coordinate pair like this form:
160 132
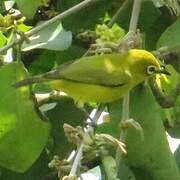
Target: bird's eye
151 69
163 67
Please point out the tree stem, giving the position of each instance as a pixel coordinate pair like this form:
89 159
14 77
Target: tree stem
90 129
116 15
126 99
135 15
76 162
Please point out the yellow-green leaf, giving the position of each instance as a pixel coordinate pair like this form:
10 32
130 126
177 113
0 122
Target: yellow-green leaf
23 134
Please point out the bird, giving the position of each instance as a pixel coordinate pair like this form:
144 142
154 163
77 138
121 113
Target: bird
101 78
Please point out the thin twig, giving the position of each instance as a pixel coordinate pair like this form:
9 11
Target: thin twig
125 107
90 129
132 28
59 17
125 110
99 110
135 15
119 11
163 51
76 162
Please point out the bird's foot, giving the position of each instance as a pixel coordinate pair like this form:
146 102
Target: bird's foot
131 123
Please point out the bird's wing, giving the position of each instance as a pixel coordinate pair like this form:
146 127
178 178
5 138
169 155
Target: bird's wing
106 70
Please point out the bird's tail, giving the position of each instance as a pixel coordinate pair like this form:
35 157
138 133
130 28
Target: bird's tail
29 81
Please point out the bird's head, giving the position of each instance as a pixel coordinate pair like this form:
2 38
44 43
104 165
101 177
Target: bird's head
147 64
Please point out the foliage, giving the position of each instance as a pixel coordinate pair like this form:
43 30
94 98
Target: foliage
32 118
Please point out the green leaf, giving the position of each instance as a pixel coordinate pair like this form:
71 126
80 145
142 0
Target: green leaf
86 18
23 134
53 37
143 152
171 36
177 156
43 63
156 29
28 8
2 39
167 84
64 112
2 6
73 52
150 22
145 22
38 171
22 27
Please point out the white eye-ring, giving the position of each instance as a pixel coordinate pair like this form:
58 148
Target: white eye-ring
151 69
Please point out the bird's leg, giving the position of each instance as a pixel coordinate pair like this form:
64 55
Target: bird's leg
131 123
128 122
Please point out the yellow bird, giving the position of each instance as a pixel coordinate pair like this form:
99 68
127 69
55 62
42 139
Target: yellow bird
101 78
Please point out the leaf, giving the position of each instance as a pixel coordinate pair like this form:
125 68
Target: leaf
73 52
144 23
156 29
8 4
171 36
167 84
53 37
23 134
143 152
22 27
42 63
38 171
151 28
64 112
86 18
28 8
2 39
177 156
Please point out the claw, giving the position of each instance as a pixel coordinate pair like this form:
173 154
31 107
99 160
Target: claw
134 124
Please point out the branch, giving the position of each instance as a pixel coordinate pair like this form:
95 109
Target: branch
77 160
89 130
164 51
59 17
135 15
130 41
132 28
119 11
99 110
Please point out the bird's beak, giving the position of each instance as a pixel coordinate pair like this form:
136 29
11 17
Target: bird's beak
163 70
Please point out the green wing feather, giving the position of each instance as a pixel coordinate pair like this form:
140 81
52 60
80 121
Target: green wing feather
106 70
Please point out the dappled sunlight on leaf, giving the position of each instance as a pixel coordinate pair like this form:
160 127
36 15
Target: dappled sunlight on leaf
23 135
